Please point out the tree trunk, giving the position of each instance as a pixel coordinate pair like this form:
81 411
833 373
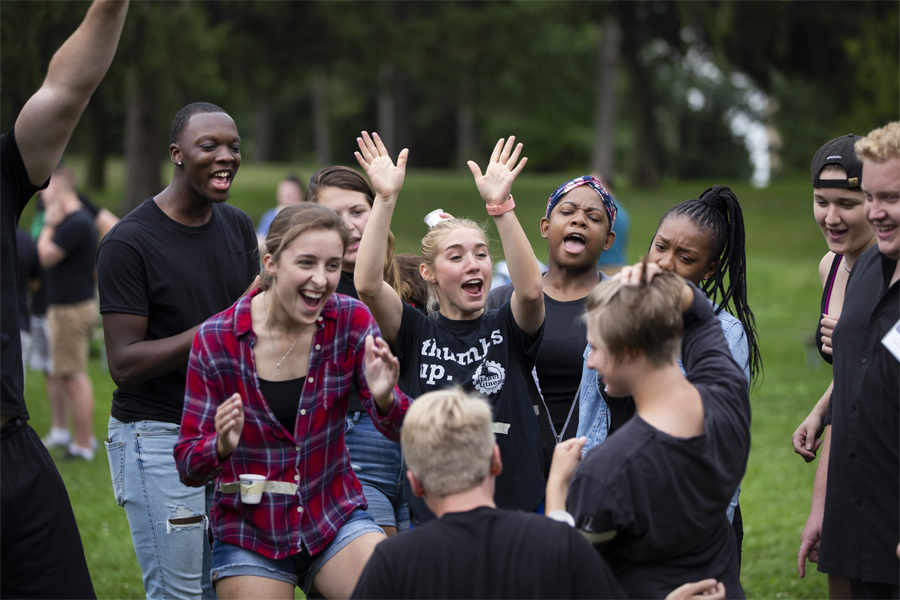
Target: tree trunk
262 128
644 162
386 123
465 125
402 127
143 141
320 118
97 144
603 155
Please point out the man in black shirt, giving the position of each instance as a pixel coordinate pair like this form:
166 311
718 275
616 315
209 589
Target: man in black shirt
860 528
474 550
66 247
173 262
39 540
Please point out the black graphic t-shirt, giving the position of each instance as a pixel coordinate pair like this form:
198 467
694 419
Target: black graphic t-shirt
492 356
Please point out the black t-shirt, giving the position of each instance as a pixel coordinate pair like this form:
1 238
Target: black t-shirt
176 276
861 527
71 280
657 502
15 191
560 362
487 553
492 356
29 268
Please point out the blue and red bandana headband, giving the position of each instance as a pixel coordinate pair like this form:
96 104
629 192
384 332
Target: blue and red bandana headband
611 209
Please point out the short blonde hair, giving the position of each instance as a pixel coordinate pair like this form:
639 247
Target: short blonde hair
447 440
645 318
881 144
431 244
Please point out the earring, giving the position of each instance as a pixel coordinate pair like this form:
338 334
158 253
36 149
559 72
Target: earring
179 163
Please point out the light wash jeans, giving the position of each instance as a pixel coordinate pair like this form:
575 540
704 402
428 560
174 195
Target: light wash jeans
175 558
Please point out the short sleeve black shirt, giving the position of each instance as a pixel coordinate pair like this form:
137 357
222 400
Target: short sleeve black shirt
16 190
71 280
861 527
177 276
492 356
487 553
658 502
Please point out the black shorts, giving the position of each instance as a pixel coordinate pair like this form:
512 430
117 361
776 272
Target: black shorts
39 540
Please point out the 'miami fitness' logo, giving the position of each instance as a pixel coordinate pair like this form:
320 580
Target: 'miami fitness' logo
489 377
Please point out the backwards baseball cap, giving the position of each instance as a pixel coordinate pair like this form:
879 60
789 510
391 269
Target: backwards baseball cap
838 151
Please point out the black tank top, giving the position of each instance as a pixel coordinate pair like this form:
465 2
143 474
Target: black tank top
283 397
826 298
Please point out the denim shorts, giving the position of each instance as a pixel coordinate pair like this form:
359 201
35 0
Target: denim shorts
378 465
232 561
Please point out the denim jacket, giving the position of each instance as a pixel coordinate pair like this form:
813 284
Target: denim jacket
593 412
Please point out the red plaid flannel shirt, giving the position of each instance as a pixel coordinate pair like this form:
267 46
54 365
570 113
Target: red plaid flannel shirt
313 456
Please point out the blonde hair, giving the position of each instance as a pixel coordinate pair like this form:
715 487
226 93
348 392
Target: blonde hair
345 178
645 318
431 245
447 440
881 144
297 219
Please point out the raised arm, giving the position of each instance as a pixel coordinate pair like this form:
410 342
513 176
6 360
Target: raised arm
48 118
368 276
494 185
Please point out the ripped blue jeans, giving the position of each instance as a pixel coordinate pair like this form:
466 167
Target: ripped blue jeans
168 520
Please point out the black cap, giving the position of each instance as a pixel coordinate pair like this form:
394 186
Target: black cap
838 151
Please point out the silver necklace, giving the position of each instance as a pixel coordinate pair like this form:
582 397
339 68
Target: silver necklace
844 262
272 341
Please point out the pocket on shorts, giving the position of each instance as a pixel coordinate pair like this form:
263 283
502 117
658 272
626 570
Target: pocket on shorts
115 452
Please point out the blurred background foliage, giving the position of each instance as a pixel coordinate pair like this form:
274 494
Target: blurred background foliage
640 90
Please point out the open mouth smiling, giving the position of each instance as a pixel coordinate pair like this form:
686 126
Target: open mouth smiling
473 287
311 299
221 180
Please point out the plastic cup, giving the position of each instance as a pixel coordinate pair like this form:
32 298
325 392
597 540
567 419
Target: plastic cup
434 217
251 488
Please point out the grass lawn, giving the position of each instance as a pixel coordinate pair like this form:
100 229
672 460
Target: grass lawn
784 248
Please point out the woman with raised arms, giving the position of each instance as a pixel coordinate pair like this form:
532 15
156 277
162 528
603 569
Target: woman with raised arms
488 351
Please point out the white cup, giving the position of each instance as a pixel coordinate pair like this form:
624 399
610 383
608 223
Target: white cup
251 488
434 217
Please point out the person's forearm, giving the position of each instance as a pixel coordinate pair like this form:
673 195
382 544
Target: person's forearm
81 62
820 410
368 276
556 494
48 118
524 272
141 361
821 483
49 254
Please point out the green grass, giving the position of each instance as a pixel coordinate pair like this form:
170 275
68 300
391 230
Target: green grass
784 248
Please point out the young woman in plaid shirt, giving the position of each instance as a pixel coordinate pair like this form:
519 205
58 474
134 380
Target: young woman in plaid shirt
267 388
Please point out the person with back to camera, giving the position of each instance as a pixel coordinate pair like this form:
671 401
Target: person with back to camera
859 523
652 496
578 228
39 540
267 393
173 262
703 241
376 460
491 351
838 206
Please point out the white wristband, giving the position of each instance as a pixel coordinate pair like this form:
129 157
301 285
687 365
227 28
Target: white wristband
563 517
